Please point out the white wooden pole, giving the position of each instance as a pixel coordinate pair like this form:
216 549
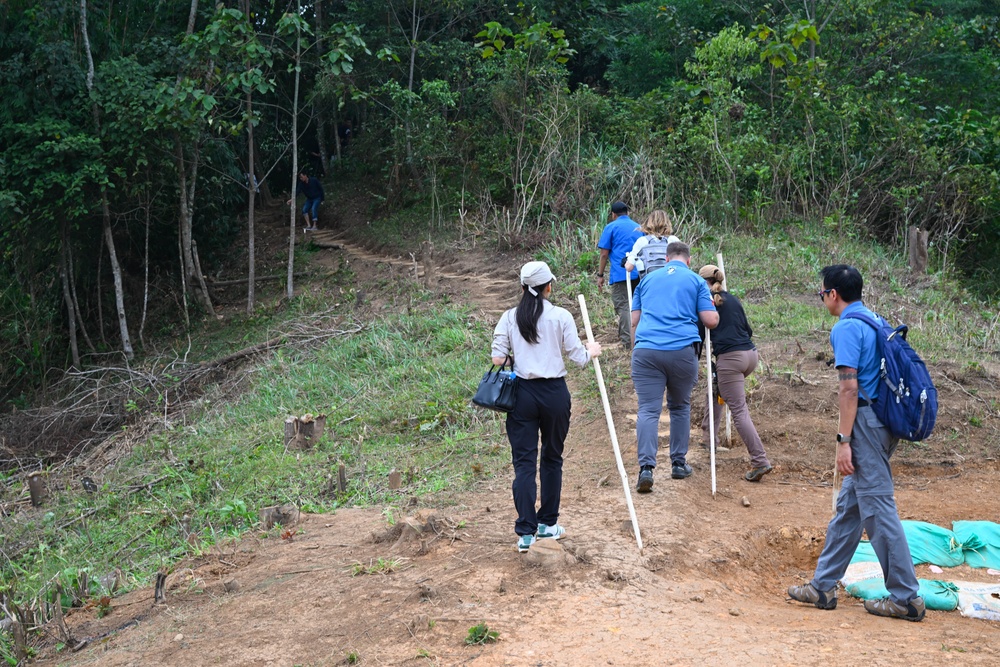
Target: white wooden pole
628 286
611 427
711 407
729 415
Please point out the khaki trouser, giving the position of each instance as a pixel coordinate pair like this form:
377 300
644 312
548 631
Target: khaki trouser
732 369
619 297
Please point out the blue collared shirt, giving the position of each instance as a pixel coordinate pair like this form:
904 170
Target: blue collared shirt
854 346
618 237
670 300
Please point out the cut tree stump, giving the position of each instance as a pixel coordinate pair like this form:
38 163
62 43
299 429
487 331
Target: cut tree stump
917 241
341 479
287 515
305 431
36 485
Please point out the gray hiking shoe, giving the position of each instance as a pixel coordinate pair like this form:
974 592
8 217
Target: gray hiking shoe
645 483
912 611
821 599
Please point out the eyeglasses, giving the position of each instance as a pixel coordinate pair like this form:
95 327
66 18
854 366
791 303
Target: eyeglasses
823 292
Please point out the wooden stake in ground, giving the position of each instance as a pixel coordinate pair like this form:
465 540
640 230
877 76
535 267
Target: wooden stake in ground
836 481
611 427
729 415
711 408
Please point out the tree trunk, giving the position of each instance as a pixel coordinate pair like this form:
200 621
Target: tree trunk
100 297
193 278
267 199
251 202
109 238
68 298
145 276
71 268
290 286
320 113
116 274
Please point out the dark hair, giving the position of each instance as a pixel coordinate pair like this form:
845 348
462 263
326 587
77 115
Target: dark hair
677 248
528 312
845 279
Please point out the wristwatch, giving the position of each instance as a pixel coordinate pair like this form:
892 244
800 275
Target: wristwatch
600 275
841 438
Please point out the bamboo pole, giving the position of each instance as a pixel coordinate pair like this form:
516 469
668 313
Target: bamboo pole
729 415
611 427
711 408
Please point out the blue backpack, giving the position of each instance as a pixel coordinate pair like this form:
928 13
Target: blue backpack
907 401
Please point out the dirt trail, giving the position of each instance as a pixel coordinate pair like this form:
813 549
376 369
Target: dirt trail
708 588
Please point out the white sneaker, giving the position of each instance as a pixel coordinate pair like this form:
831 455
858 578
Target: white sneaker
555 532
524 542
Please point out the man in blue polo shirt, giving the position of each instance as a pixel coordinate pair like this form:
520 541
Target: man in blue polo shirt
864 446
616 241
666 308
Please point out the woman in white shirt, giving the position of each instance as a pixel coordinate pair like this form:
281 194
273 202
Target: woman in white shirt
537 334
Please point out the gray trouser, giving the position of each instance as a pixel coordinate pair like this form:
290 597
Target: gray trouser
677 372
619 297
732 369
866 502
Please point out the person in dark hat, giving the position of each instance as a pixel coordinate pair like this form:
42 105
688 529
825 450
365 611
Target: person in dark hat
616 241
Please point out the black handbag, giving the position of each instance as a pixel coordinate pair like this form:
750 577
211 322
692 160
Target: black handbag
498 388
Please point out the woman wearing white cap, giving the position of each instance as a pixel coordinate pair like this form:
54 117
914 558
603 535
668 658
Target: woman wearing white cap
536 334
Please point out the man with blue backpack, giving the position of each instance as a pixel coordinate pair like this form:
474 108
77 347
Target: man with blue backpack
879 379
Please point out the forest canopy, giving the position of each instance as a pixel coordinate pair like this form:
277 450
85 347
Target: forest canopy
131 132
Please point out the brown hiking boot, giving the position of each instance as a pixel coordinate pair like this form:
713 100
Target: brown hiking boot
912 611
821 599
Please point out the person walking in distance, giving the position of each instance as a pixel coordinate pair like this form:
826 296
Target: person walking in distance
536 334
735 359
311 187
617 239
864 446
667 306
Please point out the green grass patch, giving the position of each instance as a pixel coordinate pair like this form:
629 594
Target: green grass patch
397 398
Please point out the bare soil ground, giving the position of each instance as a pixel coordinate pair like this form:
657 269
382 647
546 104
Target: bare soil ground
709 587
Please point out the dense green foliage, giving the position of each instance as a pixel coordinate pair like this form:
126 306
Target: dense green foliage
498 121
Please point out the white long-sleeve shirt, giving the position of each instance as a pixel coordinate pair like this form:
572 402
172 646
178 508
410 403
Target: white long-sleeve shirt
557 334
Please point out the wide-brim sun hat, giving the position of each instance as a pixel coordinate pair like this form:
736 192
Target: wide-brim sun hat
534 274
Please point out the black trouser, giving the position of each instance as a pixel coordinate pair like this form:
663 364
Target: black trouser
543 406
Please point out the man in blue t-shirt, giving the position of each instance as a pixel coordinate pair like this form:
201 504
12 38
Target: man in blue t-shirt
666 308
616 241
864 446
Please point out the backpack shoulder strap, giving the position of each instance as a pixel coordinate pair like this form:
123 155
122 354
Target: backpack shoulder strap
864 317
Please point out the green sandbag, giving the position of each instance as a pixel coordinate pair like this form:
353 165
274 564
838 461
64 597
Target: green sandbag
933 544
938 595
980 541
928 544
864 553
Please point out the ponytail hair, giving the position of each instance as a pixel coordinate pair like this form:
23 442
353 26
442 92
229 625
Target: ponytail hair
714 276
529 310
